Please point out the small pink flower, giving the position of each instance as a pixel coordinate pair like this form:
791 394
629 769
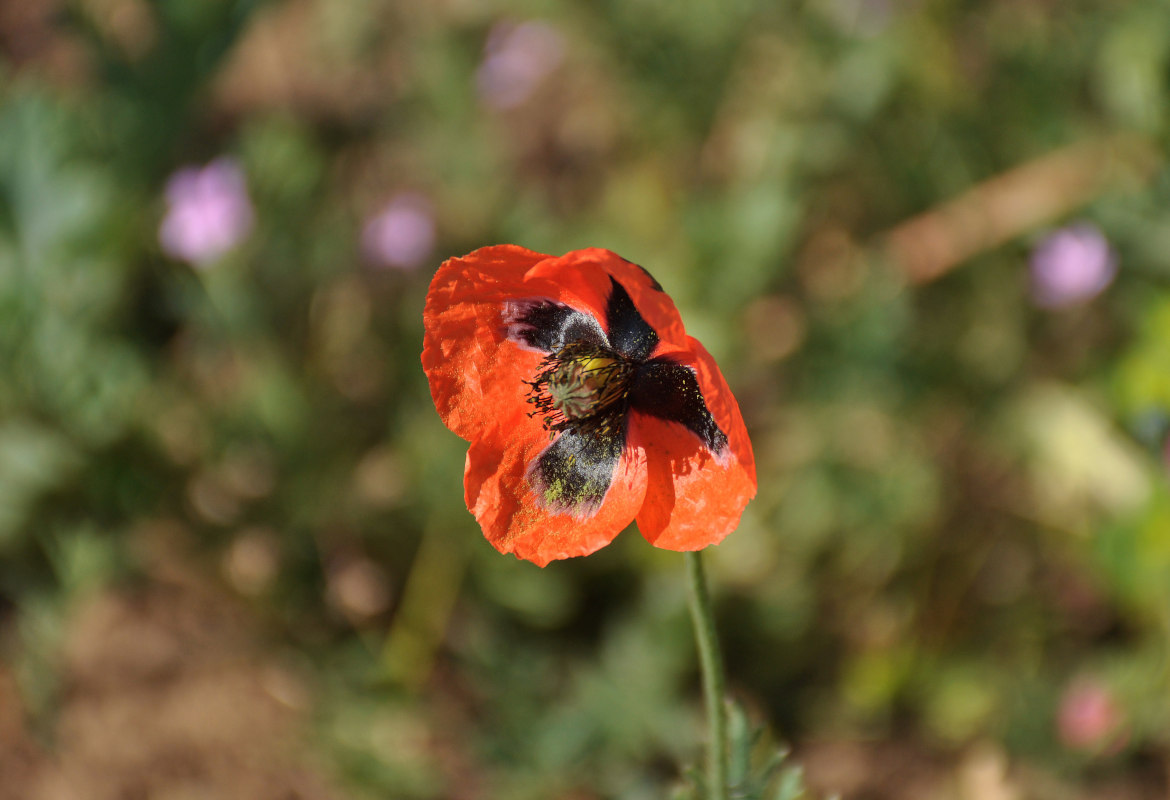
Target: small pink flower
1072 265
1089 717
208 213
516 59
402 234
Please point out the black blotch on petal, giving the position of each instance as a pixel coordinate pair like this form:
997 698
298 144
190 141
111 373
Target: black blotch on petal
653 281
629 333
654 284
574 473
671 392
547 325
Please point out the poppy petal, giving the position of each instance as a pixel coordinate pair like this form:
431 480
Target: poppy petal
588 275
546 325
476 375
629 333
573 473
694 496
514 509
670 391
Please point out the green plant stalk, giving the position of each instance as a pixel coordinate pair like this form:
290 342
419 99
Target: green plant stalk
711 663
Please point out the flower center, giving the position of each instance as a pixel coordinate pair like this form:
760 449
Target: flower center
581 386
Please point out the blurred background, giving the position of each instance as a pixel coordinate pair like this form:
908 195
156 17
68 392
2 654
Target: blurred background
927 240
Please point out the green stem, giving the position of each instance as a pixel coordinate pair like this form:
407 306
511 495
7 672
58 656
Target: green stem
713 685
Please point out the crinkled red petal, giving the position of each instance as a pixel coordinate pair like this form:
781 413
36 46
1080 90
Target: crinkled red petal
583 276
476 376
693 497
515 520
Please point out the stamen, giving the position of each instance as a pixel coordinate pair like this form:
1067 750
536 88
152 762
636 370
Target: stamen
581 386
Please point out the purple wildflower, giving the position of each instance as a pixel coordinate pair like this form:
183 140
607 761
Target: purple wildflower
1089 716
402 234
1072 265
209 212
516 59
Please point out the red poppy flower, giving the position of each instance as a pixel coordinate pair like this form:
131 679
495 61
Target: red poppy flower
585 402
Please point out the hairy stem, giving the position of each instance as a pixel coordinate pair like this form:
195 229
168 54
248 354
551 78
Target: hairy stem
713 685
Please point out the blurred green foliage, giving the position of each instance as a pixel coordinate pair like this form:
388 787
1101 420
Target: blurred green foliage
963 505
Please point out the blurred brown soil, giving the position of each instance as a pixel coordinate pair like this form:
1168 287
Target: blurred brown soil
168 692
165 694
